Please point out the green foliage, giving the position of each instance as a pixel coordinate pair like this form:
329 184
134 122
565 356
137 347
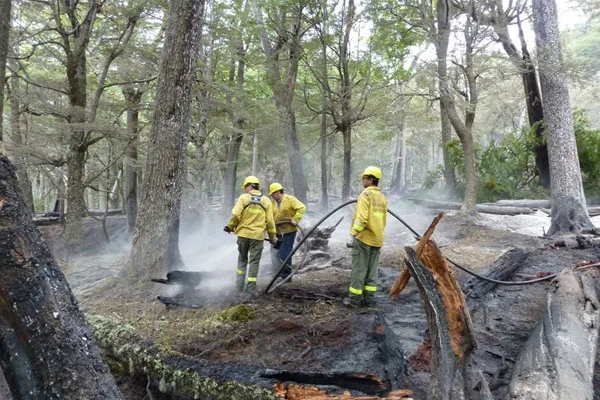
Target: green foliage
588 147
238 313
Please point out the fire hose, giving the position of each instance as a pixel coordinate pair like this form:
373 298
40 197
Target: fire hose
270 288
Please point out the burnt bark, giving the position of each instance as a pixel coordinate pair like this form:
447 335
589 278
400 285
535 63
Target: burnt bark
500 270
156 238
133 98
452 339
46 347
569 213
557 362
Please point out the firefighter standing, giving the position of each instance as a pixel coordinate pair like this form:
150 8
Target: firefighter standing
367 231
287 212
251 216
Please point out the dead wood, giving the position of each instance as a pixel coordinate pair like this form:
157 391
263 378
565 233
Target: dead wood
557 362
450 326
523 203
366 383
173 373
46 347
482 208
296 392
501 270
391 350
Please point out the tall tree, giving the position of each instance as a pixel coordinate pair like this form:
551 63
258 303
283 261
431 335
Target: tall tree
156 238
133 98
5 6
282 61
462 127
569 211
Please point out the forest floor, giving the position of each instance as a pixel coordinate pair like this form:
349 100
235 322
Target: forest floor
303 325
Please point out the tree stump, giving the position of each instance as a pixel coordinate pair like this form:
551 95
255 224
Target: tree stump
557 362
46 348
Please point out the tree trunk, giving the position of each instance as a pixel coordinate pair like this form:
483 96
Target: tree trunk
557 362
347 135
569 213
284 88
156 239
399 178
46 347
449 171
20 161
5 6
133 98
230 178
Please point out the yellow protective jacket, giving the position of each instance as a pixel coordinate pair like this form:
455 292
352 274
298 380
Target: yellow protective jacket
370 217
252 215
289 209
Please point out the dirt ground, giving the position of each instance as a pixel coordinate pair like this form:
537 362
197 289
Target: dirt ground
303 325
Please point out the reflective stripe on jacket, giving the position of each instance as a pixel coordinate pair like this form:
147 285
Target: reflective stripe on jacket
289 209
370 216
252 220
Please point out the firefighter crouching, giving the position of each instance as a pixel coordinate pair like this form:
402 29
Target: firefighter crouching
367 231
251 216
287 212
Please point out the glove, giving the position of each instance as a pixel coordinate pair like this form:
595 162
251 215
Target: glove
351 243
273 240
227 229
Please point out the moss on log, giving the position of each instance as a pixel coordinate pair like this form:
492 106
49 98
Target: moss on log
170 372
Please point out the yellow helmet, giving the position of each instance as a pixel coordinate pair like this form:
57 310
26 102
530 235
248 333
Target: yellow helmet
275 187
374 171
249 180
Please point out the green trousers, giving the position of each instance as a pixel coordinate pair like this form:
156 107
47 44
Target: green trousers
365 268
250 251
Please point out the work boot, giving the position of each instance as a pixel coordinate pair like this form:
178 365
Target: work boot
369 302
352 301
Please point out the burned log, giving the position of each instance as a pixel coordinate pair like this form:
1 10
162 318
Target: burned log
523 203
557 362
500 270
46 347
366 383
298 392
176 374
392 352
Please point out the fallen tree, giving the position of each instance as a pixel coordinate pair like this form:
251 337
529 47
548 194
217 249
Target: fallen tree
482 208
46 347
170 373
557 362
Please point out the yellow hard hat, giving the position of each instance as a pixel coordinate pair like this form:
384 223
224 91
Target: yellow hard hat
374 171
275 187
249 180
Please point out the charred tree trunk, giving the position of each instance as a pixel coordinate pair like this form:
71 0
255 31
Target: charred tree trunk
46 348
156 238
569 213
133 98
450 327
557 362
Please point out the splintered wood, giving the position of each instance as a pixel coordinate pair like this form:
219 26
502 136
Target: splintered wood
297 392
430 255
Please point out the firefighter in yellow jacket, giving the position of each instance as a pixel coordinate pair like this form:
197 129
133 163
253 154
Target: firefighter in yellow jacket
367 231
287 212
251 216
